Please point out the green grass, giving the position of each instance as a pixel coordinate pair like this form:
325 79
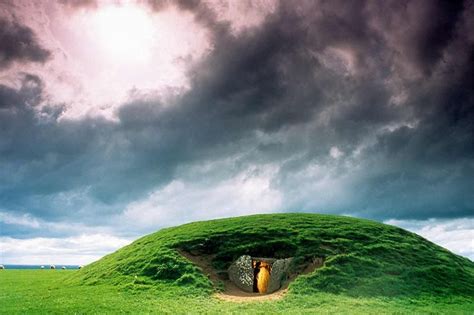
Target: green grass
369 268
45 292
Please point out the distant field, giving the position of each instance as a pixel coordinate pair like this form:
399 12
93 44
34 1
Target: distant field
44 291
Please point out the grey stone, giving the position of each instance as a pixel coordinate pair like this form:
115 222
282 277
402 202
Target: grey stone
279 274
241 273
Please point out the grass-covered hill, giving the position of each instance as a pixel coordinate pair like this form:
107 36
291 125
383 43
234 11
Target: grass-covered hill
361 258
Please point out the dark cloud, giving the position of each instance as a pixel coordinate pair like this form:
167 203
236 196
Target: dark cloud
20 44
312 76
429 167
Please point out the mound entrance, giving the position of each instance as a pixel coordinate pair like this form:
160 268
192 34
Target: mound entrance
252 277
259 275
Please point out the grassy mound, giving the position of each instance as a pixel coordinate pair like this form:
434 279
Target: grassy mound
361 257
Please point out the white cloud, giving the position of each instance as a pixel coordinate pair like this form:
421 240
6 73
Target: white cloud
243 14
249 192
61 228
77 250
457 235
335 152
316 188
24 220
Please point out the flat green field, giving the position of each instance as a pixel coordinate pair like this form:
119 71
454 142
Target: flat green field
47 291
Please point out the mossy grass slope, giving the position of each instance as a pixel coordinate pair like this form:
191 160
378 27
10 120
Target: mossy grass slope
361 257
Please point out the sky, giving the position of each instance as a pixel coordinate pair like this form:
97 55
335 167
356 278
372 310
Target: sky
118 118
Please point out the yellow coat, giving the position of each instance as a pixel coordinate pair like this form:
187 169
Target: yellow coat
263 278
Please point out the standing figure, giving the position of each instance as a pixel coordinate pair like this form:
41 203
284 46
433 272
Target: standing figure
263 277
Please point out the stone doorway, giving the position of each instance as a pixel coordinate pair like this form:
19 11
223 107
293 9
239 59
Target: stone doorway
259 275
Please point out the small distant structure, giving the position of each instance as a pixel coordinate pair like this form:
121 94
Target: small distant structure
2 267
52 267
42 267
80 267
63 267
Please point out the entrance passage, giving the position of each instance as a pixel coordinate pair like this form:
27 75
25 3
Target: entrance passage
262 271
259 274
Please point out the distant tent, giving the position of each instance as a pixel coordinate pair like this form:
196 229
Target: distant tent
42 267
63 267
2 267
52 267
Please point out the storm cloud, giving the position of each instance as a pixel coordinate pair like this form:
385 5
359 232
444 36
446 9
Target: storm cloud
345 107
20 44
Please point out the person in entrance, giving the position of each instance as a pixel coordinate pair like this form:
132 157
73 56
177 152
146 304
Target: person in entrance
261 276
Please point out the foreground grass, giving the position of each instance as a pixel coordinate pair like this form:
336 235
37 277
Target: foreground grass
49 291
